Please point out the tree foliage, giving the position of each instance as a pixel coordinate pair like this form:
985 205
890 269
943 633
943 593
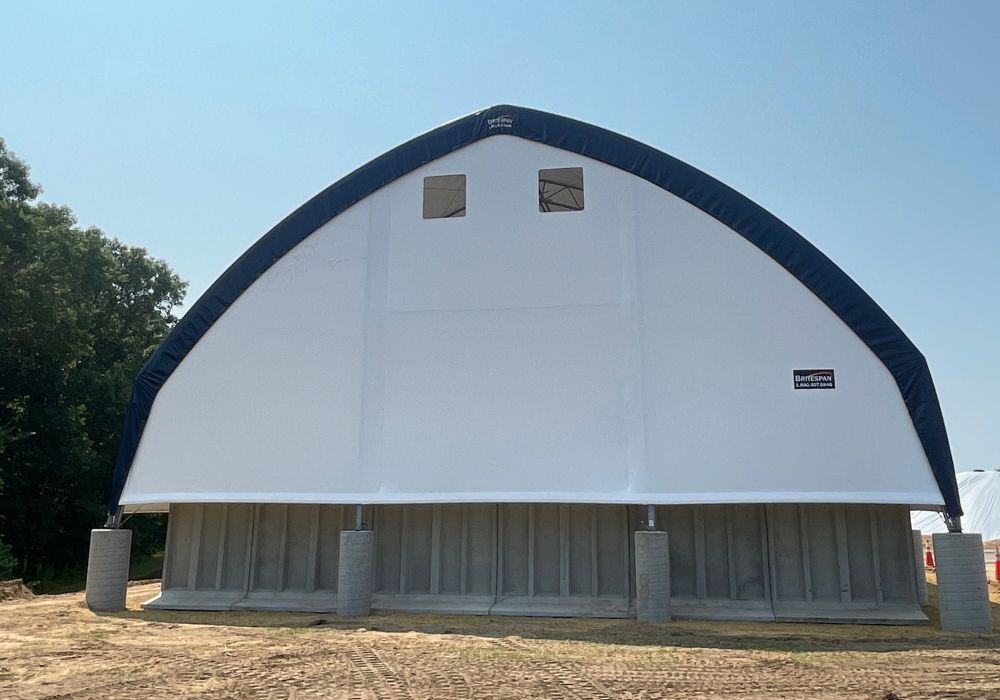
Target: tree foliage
79 314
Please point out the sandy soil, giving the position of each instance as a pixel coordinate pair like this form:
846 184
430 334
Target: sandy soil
53 647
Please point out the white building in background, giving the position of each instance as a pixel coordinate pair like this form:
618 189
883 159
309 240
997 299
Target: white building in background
979 490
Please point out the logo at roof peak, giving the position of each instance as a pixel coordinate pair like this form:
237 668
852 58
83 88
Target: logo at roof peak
503 121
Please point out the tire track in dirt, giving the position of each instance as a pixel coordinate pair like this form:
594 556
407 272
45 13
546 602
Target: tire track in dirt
779 678
558 678
375 674
446 684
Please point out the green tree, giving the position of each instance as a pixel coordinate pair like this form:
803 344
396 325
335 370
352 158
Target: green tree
79 314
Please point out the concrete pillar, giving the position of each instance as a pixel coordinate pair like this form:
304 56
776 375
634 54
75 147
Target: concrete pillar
107 569
652 576
963 597
918 552
354 578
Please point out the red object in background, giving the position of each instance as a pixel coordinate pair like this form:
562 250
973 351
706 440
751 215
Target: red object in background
996 563
928 556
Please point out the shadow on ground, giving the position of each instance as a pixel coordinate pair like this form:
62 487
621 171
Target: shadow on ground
762 636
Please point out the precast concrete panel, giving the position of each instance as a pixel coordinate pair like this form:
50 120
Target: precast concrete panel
820 553
332 520
824 565
235 546
719 566
297 543
864 567
611 557
747 552
895 547
713 526
735 561
449 567
418 525
581 555
180 538
269 541
517 543
435 557
564 559
388 545
679 522
548 550
206 565
211 548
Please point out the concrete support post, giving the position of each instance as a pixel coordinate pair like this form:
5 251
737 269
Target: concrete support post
652 577
963 597
918 552
107 569
354 578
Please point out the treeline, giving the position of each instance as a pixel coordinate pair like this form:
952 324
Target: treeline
79 314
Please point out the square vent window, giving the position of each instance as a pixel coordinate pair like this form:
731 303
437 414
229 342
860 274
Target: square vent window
560 189
444 196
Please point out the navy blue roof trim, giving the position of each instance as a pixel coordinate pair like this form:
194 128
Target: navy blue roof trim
811 267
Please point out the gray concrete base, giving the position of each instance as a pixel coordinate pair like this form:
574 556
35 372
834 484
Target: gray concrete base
690 608
652 576
963 597
354 577
858 614
430 603
107 569
185 600
317 602
558 606
918 553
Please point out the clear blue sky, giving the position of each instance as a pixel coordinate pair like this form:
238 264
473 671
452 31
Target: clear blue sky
871 128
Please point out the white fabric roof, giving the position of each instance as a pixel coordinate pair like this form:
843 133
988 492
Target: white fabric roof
636 351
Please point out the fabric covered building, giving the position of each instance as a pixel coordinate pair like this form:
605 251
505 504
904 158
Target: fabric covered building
506 338
979 490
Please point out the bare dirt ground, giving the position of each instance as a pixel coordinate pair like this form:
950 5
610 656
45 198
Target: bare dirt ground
53 647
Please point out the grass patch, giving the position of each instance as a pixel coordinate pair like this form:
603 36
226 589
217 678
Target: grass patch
146 566
101 633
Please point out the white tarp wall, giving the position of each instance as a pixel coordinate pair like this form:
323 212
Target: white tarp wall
637 351
980 494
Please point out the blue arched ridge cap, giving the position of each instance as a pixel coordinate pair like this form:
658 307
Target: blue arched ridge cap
803 260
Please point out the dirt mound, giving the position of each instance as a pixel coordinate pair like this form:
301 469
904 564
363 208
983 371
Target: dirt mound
14 590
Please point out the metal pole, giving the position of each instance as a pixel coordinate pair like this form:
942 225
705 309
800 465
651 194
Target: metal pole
954 523
114 520
359 517
650 517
